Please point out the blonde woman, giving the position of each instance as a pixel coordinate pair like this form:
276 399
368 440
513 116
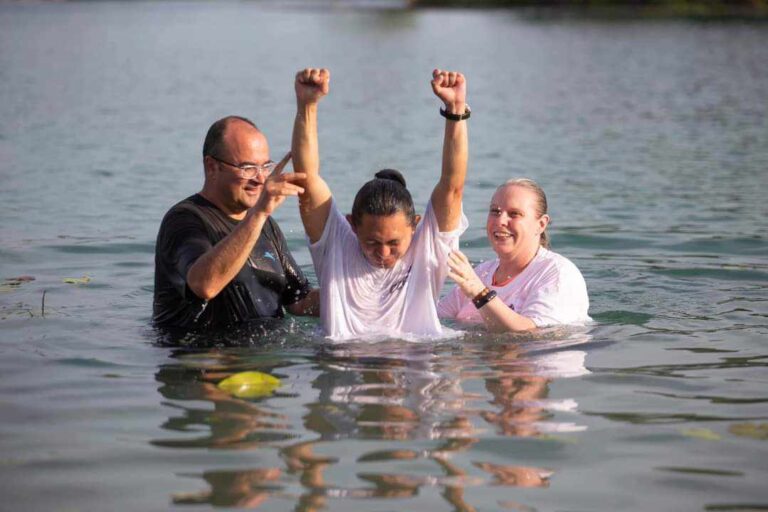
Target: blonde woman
527 285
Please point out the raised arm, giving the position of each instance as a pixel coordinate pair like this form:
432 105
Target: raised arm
315 203
451 88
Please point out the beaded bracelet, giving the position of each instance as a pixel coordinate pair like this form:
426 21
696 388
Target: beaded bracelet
483 298
456 117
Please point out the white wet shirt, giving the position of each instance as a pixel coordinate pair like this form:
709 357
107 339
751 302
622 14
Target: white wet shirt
549 291
358 299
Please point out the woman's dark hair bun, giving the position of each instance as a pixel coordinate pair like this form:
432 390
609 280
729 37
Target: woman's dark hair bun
391 174
384 195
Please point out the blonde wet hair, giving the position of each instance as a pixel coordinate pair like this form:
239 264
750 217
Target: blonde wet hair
541 201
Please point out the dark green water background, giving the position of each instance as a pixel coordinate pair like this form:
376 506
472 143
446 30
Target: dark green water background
649 136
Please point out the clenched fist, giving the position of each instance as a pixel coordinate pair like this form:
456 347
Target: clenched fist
311 85
451 88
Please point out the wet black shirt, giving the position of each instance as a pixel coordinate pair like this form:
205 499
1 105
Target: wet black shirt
269 280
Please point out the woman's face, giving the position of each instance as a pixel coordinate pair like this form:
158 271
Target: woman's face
513 226
384 239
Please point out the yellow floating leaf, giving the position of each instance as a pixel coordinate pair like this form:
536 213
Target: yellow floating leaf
701 433
77 280
753 430
250 384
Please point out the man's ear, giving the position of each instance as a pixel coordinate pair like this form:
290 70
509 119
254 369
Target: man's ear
209 167
416 220
351 223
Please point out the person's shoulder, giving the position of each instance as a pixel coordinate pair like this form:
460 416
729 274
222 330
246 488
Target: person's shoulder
186 205
556 262
184 212
337 222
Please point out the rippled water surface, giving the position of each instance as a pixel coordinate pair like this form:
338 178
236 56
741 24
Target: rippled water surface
649 136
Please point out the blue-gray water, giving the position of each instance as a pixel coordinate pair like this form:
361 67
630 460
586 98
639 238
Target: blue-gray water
650 137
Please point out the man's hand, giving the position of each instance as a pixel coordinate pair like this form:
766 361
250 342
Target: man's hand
278 186
451 88
311 85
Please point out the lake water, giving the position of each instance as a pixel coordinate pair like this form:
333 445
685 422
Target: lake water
649 136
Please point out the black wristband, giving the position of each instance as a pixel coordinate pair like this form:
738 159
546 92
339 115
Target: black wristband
456 117
483 298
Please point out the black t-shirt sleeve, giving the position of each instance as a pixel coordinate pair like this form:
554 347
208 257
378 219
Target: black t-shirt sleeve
297 285
185 241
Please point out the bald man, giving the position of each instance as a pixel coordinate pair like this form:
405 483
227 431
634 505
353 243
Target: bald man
220 259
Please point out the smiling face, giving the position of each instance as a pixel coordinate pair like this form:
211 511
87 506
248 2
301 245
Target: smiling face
514 224
242 144
384 239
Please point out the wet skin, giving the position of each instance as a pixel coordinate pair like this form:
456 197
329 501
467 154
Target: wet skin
384 239
243 145
513 226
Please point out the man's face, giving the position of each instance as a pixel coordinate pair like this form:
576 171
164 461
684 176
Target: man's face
242 145
384 239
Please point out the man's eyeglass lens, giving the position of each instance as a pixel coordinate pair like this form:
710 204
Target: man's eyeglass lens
248 171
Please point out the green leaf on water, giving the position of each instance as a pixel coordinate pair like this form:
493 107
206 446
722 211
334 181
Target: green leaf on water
702 433
77 280
753 430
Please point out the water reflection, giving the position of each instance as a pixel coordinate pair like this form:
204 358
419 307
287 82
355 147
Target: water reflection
245 489
403 418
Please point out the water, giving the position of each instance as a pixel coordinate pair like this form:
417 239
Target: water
650 138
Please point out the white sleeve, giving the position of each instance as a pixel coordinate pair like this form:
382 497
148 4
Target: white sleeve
439 245
450 305
335 236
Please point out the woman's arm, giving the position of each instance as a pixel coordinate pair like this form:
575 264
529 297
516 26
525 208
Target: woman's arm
315 203
498 317
451 88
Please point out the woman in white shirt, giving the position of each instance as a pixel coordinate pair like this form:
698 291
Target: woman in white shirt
527 285
380 269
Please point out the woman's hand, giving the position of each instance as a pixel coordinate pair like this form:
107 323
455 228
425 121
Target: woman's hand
461 271
451 87
311 85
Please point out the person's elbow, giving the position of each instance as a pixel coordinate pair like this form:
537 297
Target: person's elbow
448 194
308 306
453 189
202 288
296 309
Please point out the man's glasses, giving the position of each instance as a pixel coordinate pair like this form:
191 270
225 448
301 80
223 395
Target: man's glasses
249 171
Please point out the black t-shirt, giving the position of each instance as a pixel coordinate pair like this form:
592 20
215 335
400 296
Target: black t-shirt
269 280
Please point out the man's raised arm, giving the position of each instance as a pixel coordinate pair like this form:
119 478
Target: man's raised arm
451 88
315 203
